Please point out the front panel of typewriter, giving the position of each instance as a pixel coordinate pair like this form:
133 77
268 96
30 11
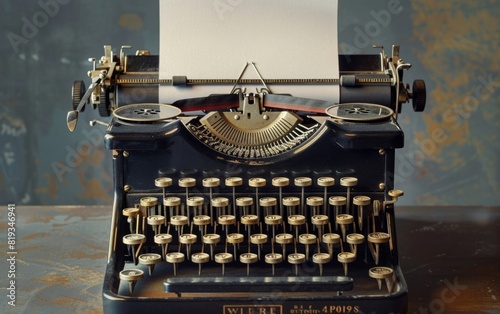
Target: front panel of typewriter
252 202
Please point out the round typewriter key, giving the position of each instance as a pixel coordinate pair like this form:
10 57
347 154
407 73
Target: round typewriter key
131 276
337 202
257 182
187 182
355 239
248 258
321 259
302 182
244 203
195 201
131 240
211 182
155 222
374 241
223 258
200 258
149 203
296 259
163 182
346 258
249 220
320 221
134 239
348 182
211 239
234 182
344 220
188 240
173 204
150 260
330 239
163 239
273 221
280 182
259 239
383 273
273 259
175 258
361 201
130 212
284 239
235 239
395 193
268 203
325 182
307 239
226 220
291 204
179 220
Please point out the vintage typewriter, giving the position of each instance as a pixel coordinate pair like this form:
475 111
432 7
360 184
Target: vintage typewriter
252 202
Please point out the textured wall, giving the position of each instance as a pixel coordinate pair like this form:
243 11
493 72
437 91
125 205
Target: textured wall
451 150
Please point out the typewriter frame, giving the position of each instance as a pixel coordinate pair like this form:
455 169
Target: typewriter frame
367 78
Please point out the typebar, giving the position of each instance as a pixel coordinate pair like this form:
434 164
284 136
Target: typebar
258 284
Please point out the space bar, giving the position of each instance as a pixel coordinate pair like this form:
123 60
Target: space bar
257 284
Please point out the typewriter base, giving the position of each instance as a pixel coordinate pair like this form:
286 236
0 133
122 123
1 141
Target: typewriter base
148 294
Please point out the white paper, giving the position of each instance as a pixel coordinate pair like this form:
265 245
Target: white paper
287 39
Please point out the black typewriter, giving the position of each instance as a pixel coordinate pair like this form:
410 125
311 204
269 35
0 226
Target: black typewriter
252 202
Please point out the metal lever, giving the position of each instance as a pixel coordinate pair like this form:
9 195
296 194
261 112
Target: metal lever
72 117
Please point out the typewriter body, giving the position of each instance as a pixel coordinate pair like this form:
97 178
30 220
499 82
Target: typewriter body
252 202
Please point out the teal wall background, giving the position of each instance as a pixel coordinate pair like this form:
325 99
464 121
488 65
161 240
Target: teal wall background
451 150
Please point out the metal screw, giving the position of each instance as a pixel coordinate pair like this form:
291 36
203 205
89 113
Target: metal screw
381 152
381 186
127 188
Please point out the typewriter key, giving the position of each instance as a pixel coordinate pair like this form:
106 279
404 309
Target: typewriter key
321 258
374 241
150 204
273 258
320 221
244 203
201 221
223 259
155 222
248 258
200 258
188 239
211 239
196 204
163 183
273 221
211 183
221 204
257 183
361 201
337 202
346 258
187 183
259 239
284 239
226 221
348 182
291 204
268 203
173 204
234 182
131 240
150 260
175 258
354 239
296 221
344 220
330 239
235 239
163 239
280 182
131 276
385 273
302 182
131 214
179 222
307 239
296 259
315 203
325 182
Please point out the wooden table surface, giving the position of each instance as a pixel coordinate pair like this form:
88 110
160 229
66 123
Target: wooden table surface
450 258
